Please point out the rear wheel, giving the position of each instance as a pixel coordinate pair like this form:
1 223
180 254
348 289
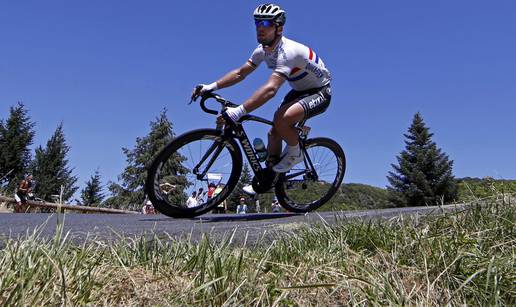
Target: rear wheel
312 183
193 173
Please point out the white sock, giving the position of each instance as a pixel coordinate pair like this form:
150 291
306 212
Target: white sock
293 150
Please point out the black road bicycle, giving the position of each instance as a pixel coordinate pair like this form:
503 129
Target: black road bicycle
199 169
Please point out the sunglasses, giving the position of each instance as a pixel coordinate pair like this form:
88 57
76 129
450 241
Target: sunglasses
263 23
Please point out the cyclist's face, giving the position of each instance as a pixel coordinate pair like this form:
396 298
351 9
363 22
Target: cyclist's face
265 32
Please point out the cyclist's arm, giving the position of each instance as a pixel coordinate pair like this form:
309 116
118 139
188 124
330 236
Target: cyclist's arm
235 76
264 93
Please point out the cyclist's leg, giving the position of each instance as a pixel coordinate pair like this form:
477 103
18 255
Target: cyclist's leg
299 106
274 137
273 147
305 105
286 118
316 102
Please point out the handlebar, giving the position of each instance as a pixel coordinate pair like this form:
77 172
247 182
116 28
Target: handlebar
224 102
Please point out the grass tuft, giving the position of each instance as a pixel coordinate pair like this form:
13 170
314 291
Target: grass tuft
464 257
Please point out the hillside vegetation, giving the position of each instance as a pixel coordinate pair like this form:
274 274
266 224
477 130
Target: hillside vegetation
354 196
471 189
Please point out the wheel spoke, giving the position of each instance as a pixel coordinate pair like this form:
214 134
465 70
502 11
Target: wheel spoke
305 190
177 190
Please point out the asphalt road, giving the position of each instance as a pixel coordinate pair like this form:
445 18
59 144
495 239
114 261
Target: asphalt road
249 226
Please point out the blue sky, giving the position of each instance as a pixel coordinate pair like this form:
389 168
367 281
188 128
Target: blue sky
106 69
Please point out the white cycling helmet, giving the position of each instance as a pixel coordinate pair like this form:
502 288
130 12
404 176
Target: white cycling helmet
270 11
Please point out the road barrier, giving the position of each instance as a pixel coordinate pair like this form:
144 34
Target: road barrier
43 204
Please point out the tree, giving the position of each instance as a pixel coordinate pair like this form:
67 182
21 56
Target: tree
129 193
16 135
245 178
423 175
51 171
92 193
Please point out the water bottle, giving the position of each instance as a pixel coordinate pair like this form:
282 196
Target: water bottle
260 149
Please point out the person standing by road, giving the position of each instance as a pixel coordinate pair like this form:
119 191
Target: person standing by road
275 206
221 207
242 206
21 194
201 196
191 202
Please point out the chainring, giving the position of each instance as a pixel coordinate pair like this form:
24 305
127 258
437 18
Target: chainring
267 183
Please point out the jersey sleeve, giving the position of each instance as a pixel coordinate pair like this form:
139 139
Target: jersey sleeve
284 66
257 56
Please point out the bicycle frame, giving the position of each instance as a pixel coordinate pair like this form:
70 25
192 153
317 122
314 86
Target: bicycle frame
236 131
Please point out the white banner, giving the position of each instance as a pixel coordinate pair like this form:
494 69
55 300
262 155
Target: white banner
213 176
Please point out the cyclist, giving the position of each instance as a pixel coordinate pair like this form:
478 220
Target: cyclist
290 61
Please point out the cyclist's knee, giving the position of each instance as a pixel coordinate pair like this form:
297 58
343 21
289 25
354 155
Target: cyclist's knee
289 116
277 116
284 123
281 122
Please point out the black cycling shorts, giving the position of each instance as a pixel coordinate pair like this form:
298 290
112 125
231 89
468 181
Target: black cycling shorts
314 101
22 197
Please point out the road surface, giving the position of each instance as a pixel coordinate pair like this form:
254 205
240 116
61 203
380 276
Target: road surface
254 226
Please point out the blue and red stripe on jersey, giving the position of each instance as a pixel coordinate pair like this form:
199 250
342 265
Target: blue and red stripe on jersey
311 56
294 71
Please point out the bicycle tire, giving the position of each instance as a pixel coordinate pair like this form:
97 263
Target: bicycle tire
152 185
281 187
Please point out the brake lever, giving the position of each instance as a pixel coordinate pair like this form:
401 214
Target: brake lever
194 97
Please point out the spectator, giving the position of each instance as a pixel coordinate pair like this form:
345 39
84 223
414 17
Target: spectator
218 189
211 190
192 200
222 207
21 194
148 208
242 207
275 206
201 196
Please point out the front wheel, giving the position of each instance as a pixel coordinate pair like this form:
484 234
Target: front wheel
312 183
194 173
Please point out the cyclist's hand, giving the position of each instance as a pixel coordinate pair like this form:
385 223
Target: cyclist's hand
233 113
200 89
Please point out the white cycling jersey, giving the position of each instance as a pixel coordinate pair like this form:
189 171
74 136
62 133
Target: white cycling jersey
299 64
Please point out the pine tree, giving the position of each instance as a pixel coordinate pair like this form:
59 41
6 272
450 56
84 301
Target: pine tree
129 193
92 194
245 178
16 135
423 175
50 168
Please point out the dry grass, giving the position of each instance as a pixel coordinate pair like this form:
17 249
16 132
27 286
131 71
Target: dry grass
455 258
